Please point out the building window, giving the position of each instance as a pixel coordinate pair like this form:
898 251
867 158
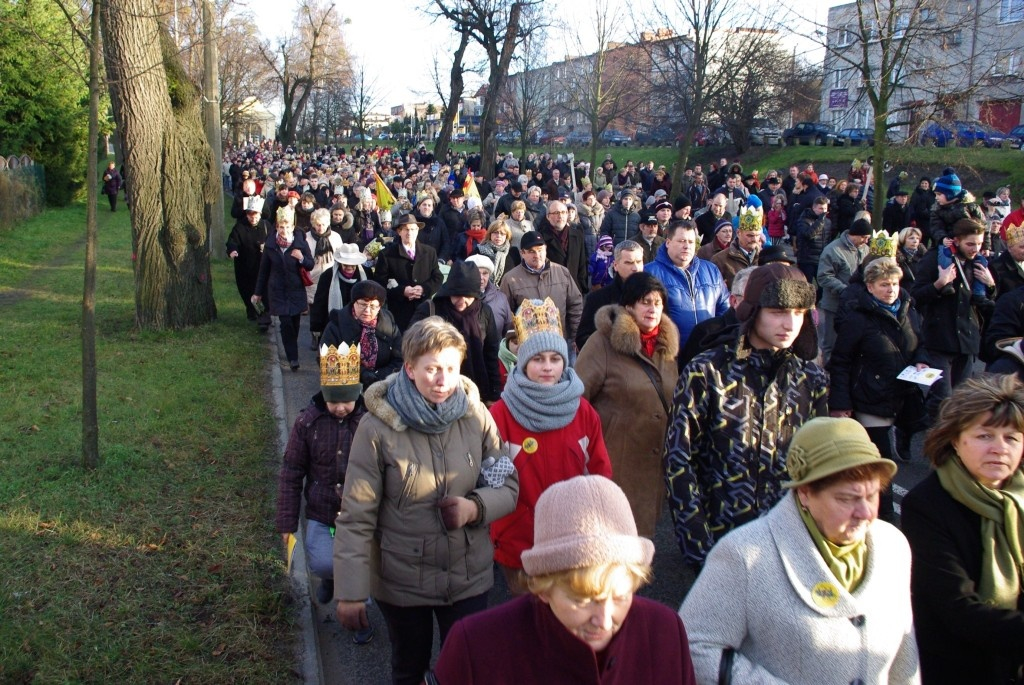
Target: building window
927 14
902 22
844 38
953 38
1010 11
1007 63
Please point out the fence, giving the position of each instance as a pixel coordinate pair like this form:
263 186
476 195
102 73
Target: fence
22 189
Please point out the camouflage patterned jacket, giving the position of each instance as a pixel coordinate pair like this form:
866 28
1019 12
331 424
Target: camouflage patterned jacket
734 412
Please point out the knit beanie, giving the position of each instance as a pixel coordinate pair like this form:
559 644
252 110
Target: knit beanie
369 290
860 227
542 341
482 262
948 185
584 522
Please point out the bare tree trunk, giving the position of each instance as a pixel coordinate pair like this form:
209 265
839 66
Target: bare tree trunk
90 414
451 111
168 167
499 62
211 120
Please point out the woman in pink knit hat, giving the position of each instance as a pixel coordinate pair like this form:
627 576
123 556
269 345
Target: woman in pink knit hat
581 622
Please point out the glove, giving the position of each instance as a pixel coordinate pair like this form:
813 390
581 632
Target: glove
494 472
456 512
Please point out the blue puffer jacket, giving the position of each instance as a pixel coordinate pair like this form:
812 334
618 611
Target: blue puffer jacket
694 295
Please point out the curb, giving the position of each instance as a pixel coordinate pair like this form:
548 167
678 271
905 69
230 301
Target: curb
312 668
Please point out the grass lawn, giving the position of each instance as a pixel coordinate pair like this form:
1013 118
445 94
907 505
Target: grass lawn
162 564
979 168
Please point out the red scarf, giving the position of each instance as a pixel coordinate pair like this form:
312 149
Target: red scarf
648 341
473 237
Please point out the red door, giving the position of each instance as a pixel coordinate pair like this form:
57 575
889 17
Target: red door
1000 114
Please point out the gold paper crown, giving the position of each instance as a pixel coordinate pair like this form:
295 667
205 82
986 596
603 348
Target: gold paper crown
339 365
1015 234
751 219
883 244
534 316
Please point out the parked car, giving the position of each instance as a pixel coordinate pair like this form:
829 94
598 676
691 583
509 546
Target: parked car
660 135
856 136
709 136
961 133
996 138
615 137
765 132
578 138
472 137
383 136
810 133
507 137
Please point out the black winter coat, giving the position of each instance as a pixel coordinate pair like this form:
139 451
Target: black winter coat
895 217
872 347
813 233
279 282
345 328
952 325
847 207
1007 273
942 218
1007 321
573 258
921 208
248 241
488 381
959 639
393 263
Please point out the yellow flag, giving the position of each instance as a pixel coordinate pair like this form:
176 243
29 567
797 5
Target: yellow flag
384 197
469 188
290 552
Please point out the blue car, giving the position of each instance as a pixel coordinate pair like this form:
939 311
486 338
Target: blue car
856 136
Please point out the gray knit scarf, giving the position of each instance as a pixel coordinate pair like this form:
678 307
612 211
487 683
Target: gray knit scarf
419 414
541 408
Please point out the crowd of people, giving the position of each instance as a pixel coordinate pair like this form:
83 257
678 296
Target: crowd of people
524 363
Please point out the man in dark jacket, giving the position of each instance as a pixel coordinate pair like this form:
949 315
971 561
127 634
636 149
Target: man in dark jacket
708 220
952 325
112 185
813 233
622 220
454 219
896 215
565 243
626 261
647 237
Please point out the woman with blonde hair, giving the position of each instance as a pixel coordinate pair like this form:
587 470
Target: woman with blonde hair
965 523
426 477
497 246
518 223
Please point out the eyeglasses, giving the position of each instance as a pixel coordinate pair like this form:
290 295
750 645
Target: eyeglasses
371 305
558 213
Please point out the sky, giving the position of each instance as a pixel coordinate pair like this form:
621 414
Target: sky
397 44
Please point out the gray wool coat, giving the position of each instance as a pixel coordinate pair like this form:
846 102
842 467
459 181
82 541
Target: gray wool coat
766 592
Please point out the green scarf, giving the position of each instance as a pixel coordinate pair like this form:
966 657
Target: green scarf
846 562
1001 528
507 356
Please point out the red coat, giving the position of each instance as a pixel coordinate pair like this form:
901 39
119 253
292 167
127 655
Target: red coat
521 641
542 459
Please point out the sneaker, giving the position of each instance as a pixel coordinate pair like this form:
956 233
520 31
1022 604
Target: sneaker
364 636
325 592
294 365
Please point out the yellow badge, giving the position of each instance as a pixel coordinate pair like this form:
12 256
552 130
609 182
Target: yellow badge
825 595
530 445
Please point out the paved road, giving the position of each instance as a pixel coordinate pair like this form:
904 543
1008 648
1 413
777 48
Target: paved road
328 648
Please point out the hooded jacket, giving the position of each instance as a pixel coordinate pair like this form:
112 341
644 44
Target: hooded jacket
391 542
618 223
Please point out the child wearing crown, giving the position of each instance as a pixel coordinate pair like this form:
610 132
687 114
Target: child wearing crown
552 433
316 460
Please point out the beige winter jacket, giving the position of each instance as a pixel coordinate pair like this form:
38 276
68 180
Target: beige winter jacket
390 541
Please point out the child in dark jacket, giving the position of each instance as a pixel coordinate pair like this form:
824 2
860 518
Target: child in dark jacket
601 262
